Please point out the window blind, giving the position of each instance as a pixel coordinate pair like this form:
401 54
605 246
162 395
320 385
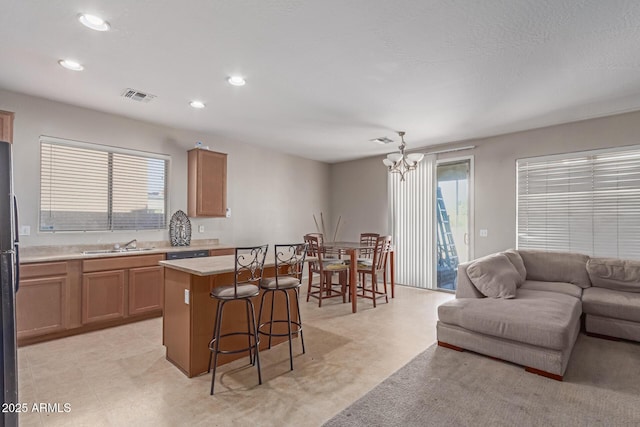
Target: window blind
585 202
412 222
88 187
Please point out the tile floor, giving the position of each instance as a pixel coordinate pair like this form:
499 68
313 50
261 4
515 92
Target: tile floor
120 377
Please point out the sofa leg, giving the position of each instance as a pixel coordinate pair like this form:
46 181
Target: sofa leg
451 346
604 337
543 373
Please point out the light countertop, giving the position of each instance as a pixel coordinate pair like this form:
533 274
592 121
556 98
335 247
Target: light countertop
31 254
207 266
212 265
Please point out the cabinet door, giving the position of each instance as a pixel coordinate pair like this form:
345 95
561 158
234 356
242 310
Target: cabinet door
102 296
41 306
6 126
207 193
145 289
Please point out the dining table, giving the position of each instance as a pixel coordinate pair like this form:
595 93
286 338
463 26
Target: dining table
351 249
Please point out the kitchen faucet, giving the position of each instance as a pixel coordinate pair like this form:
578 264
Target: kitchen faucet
129 245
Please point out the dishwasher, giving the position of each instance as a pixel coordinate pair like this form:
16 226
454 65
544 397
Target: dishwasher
188 254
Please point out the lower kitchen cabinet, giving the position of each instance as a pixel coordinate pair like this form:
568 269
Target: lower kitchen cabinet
103 296
47 299
121 287
64 298
145 289
41 306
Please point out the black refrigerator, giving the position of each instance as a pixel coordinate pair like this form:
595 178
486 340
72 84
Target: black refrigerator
9 280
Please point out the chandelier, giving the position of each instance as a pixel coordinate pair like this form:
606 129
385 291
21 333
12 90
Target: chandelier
401 163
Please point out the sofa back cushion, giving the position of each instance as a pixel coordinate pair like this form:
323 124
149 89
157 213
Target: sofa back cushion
556 267
517 262
615 274
494 276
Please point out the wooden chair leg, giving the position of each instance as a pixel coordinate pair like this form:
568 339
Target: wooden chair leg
310 281
373 289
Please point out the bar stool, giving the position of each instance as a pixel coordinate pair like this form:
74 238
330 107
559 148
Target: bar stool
249 265
289 264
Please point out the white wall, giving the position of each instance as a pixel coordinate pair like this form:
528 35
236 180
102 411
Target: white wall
359 197
358 188
272 195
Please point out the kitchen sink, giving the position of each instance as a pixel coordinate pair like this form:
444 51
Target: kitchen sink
115 251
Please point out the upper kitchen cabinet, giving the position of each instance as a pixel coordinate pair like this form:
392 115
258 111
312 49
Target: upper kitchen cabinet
207 193
6 126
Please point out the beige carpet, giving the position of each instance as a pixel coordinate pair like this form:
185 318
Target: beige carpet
442 387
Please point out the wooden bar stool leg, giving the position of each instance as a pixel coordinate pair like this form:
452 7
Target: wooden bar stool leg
310 281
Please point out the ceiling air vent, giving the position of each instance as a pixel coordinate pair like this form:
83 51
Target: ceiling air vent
382 140
136 95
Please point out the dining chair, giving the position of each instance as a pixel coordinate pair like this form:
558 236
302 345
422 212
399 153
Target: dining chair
325 268
289 263
368 239
249 266
374 267
365 255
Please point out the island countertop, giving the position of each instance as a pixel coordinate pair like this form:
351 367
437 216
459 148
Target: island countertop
207 266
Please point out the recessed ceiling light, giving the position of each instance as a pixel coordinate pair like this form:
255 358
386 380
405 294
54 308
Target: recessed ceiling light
94 22
197 104
71 65
237 80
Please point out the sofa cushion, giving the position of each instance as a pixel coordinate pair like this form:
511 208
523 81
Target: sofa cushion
616 274
517 262
545 319
494 276
609 303
561 287
556 267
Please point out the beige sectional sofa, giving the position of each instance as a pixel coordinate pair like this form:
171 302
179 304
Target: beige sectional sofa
525 306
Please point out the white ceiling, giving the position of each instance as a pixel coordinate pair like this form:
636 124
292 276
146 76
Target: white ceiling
326 76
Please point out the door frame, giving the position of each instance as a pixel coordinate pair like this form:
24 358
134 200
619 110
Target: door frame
472 209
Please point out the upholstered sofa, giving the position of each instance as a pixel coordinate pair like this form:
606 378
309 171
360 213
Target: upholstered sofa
525 306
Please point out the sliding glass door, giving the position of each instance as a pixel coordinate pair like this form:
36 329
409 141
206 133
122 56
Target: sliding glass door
453 219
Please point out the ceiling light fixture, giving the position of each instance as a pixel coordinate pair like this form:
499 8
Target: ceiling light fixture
94 22
71 65
237 80
197 104
401 163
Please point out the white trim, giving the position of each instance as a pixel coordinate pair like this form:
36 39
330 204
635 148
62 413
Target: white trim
561 156
102 147
472 200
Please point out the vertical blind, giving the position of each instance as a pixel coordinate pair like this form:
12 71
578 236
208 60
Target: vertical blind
88 187
411 206
585 202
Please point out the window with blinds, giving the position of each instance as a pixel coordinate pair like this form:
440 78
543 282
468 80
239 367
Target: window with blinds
88 187
586 202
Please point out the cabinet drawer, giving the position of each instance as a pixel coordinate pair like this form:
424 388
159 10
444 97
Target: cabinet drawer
43 269
121 262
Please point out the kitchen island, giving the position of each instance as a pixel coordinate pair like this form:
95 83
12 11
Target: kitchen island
189 311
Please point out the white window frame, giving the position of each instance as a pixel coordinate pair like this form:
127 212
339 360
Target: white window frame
109 149
591 214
